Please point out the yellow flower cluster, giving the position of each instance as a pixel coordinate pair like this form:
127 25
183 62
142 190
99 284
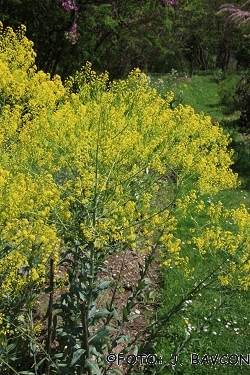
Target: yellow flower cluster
4 328
84 161
224 235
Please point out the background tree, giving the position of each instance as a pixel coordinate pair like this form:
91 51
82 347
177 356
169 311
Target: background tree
113 35
240 16
200 39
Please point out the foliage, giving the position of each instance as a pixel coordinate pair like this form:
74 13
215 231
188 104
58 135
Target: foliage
165 84
117 36
226 91
241 17
82 166
114 36
243 98
200 40
240 145
218 75
242 54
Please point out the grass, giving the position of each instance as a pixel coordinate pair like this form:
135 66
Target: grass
202 326
200 92
213 329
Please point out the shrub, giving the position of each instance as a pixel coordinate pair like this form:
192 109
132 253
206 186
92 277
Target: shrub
227 91
243 99
218 75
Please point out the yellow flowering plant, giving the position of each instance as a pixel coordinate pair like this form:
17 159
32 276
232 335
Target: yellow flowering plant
82 167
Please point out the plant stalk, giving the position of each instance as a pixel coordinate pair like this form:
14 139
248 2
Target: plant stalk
49 339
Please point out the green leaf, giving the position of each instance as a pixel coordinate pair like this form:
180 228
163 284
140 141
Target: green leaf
55 321
58 355
141 270
64 370
120 338
117 316
71 340
12 346
147 280
103 285
135 352
65 260
81 296
77 355
125 314
143 284
92 311
93 366
115 370
100 334
100 313
42 360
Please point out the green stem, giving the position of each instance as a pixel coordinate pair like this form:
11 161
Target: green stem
86 309
85 344
49 339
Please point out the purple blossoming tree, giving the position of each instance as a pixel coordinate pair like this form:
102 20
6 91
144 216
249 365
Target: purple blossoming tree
236 13
72 34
